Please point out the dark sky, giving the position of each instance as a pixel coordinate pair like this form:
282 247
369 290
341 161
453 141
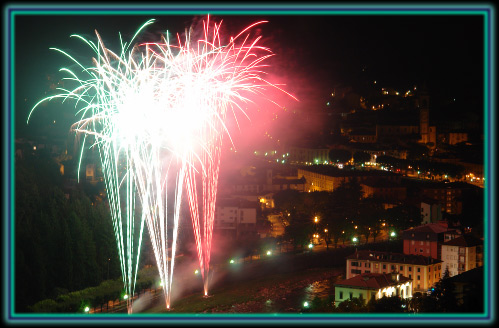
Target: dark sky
312 53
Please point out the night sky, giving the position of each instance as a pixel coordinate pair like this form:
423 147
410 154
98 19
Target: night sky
312 55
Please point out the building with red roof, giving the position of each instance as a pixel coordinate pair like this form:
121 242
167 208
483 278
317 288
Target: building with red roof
426 239
424 271
369 286
462 254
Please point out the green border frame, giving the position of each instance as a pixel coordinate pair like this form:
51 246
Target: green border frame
486 10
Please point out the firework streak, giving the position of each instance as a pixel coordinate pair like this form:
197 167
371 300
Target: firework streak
157 115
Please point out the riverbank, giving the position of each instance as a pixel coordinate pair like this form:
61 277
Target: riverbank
262 295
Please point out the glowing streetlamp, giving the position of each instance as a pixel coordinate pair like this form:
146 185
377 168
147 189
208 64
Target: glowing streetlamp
87 309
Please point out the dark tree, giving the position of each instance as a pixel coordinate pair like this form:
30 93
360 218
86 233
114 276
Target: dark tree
444 295
361 157
355 305
339 155
63 239
299 230
393 304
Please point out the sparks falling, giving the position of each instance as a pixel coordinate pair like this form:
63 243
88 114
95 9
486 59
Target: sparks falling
218 78
157 115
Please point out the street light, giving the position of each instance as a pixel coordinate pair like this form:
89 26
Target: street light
87 309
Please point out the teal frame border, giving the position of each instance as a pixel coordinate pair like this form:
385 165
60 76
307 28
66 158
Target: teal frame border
485 10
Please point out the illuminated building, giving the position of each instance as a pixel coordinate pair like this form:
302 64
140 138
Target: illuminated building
426 240
424 271
384 190
462 254
369 286
327 178
235 218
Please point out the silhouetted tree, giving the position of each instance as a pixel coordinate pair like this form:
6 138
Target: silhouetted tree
361 157
393 304
339 155
444 295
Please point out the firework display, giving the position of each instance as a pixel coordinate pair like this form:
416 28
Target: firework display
157 113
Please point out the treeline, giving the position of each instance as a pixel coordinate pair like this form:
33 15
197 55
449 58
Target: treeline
95 297
63 240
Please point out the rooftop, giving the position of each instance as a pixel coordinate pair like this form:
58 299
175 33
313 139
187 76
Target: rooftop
374 280
336 172
236 202
377 256
382 184
467 240
430 227
288 180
